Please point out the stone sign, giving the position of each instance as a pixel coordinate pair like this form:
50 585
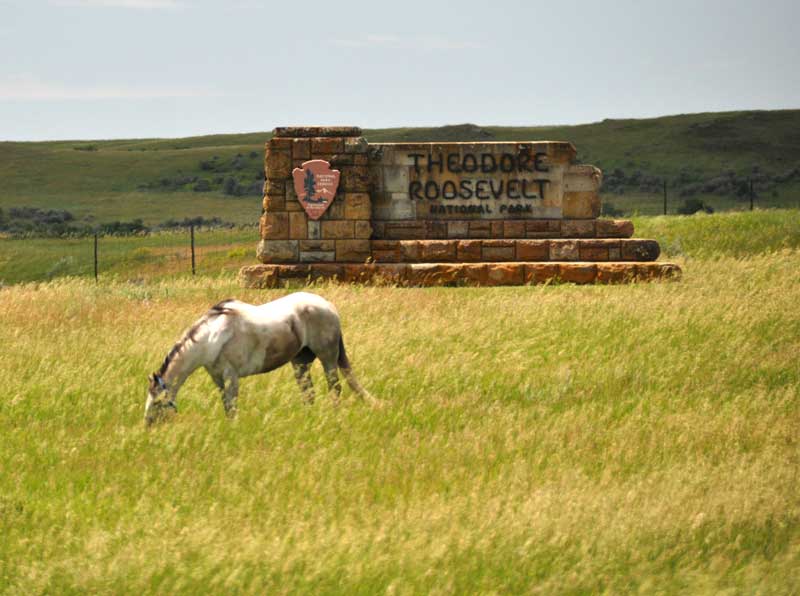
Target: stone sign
482 181
432 213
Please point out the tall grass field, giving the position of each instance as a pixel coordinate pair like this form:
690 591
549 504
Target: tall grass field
546 439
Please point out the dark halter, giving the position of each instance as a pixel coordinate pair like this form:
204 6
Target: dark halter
169 403
160 382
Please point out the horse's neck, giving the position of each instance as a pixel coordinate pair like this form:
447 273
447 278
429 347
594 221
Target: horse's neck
183 363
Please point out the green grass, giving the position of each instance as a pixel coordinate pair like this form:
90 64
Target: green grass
550 439
723 234
221 252
107 182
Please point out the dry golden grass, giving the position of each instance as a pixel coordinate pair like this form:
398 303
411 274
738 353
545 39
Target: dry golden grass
537 439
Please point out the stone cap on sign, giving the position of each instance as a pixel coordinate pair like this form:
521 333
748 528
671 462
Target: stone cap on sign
316 131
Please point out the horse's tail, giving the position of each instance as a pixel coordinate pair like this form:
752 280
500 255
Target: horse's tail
347 371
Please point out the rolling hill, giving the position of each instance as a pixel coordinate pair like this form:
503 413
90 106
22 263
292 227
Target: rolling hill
709 156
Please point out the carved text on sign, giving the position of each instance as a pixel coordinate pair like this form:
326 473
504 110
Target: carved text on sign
512 176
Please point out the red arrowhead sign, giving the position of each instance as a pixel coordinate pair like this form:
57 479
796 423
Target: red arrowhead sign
315 184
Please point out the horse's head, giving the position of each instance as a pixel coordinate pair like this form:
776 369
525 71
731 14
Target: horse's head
159 405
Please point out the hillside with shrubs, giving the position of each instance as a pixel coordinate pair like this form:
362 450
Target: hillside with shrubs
707 162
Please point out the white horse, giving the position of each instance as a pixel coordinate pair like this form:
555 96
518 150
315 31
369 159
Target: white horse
235 339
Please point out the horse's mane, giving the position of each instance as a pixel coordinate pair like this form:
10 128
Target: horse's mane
219 309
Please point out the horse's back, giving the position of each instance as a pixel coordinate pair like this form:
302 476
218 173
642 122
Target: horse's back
303 305
303 312
300 301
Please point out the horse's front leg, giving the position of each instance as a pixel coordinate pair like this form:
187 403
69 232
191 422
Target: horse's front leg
219 380
230 395
228 382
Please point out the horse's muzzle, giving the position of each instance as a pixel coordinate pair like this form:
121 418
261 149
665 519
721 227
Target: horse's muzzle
160 412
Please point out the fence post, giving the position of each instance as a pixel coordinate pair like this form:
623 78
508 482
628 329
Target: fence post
751 194
191 234
665 197
95 257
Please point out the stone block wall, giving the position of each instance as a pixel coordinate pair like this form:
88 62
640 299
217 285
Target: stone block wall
391 194
386 191
343 232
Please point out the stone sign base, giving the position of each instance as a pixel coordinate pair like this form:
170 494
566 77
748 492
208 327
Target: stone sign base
458 274
510 228
466 251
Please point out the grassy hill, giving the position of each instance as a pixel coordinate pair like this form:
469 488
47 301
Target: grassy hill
709 142
708 156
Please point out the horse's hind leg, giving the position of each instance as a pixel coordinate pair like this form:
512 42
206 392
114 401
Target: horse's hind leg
334 385
302 365
328 354
332 376
301 374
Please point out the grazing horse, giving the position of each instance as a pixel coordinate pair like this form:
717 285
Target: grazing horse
235 339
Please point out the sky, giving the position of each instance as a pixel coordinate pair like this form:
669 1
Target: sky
103 69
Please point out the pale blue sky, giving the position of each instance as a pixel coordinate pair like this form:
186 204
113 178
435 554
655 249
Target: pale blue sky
143 68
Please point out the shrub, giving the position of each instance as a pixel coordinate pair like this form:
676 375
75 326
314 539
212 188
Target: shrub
123 228
202 185
691 206
230 186
32 221
689 190
609 209
197 221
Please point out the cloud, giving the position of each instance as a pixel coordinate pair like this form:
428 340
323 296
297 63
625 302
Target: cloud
137 4
29 88
396 42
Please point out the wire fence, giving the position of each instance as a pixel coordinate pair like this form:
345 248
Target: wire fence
666 200
201 250
184 252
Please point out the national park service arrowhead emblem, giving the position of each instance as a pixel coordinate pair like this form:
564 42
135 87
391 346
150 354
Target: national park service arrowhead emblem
315 184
